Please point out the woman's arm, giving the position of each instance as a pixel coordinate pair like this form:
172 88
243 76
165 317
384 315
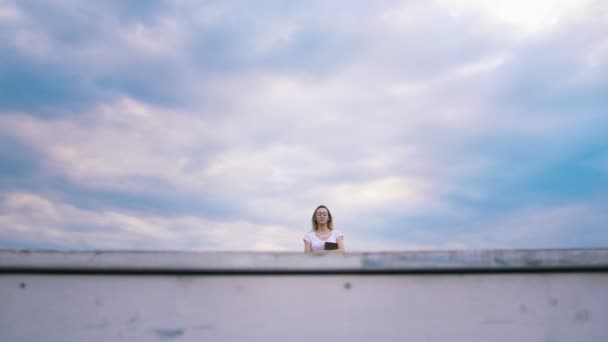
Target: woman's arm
307 247
340 242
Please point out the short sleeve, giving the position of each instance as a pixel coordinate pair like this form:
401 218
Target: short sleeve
307 238
338 234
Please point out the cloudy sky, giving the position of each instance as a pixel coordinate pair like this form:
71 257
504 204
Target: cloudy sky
221 125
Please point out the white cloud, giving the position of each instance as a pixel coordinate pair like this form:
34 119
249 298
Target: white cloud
402 194
542 227
597 57
110 144
28 217
526 17
9 13
110 44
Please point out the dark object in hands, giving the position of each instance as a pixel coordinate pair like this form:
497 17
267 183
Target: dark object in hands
330 246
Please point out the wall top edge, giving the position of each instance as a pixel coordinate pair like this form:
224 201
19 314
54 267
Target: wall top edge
524 260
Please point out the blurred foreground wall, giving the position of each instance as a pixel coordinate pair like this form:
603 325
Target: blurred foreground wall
492 295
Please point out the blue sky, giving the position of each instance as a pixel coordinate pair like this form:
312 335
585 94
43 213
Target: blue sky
221 125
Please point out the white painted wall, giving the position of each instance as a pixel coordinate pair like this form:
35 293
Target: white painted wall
515 307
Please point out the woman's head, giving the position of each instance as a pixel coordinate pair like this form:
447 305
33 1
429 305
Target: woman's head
322 216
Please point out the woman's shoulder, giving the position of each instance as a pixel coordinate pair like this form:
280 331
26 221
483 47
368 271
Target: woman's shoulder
337 232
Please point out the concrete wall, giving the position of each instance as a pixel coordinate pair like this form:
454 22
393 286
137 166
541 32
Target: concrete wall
543 295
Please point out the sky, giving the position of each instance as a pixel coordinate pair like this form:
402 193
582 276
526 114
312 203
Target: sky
221 125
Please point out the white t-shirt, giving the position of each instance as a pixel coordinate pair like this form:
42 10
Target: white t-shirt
318 244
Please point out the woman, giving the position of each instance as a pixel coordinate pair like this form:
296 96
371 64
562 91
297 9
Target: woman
322 231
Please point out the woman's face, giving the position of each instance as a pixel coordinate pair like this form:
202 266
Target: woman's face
322 216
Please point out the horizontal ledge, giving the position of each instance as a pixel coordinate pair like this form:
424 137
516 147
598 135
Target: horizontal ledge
161 262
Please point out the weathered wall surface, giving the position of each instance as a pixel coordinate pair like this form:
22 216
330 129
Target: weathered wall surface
433 296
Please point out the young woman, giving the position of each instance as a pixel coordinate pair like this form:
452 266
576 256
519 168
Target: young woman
322 231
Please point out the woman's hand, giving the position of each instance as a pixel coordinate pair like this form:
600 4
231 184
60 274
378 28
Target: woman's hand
340 242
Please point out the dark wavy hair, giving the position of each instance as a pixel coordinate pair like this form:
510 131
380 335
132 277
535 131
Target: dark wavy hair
330 221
